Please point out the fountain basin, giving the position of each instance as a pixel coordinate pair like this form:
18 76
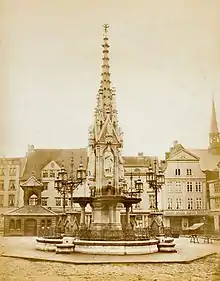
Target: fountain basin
47 244
116 247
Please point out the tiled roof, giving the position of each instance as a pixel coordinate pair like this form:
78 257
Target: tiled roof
138 161
212 175
39 158
207 160
32 182
33 210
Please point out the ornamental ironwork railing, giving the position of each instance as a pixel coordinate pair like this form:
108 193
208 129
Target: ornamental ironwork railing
125 234
138 234
50 232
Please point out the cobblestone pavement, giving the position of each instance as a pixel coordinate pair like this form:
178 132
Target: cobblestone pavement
24 270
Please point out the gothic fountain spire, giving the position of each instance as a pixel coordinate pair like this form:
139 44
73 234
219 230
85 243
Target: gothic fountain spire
105 80
106 101
105 137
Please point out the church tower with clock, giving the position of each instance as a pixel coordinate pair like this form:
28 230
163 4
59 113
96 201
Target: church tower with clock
214 135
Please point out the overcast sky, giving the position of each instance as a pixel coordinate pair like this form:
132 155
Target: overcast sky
165 65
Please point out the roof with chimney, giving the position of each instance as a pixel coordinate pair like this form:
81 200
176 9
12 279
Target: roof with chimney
37 159
138 161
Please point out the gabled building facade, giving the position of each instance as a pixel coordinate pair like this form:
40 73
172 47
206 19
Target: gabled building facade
45 164
184 192
32 218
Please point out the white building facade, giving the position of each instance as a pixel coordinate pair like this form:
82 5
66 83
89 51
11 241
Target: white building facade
184 193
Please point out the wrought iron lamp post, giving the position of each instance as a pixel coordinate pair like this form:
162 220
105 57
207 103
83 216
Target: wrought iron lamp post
66 186
135 188
155 178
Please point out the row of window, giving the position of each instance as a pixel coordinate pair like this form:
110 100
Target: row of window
16 224
188 172
11 185
11 172
11 200
59 201
189 186
191 204
49 173
217 187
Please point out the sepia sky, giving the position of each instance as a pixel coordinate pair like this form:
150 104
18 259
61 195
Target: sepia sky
165 65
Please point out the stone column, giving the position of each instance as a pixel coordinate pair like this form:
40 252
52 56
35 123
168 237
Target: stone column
216 222
111 218
128 222
83 215
96 215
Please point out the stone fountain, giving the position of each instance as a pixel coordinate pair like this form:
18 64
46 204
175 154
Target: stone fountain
105 235
105 176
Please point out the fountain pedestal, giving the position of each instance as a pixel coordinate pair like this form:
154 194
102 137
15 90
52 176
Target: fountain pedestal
165 244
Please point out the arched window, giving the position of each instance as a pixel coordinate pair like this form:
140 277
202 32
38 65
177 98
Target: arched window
12 224
33 200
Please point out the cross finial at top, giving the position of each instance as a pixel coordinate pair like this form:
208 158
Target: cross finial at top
105 27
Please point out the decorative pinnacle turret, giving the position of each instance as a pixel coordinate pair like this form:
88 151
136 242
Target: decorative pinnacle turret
105 81
106 97
106 27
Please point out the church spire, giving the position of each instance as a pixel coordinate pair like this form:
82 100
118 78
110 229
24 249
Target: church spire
214 136
214 124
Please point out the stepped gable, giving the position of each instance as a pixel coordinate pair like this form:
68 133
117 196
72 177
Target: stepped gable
39 158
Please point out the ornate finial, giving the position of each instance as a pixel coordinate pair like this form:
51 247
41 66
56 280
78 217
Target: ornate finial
105 27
